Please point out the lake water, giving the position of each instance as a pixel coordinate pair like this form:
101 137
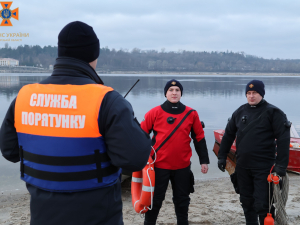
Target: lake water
214 97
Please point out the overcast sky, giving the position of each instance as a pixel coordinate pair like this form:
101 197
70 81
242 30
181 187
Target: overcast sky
265 28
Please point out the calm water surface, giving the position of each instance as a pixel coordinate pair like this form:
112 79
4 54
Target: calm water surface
214 97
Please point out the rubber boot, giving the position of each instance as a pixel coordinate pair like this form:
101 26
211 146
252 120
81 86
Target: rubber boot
249 212
149 223
151 215
252 223
185 222
262 219
182 215
251 217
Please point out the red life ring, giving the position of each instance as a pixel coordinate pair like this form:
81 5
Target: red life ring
142 189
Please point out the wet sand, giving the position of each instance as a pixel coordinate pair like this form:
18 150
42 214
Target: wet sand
214 202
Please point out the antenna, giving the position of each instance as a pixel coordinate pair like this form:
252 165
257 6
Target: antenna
131 88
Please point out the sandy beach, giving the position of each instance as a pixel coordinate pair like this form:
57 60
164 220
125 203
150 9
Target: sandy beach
214 202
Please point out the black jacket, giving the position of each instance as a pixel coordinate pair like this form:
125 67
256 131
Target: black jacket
128 147
256 147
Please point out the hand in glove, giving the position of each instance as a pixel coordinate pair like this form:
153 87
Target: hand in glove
222 164
281 171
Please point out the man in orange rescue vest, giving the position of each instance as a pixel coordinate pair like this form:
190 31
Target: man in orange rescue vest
72 135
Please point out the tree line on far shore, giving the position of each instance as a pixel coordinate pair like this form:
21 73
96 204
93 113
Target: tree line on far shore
152 60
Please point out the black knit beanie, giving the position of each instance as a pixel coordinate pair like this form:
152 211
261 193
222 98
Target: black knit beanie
256 85
173 82
78 40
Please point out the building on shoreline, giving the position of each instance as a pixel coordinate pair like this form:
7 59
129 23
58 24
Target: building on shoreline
9 62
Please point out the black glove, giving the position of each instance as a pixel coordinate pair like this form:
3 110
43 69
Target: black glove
281 171
222 164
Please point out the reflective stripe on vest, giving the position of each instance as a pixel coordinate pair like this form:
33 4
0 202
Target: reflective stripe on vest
61 148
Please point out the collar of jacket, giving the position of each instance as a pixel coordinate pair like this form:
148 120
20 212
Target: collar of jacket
173 108
75 67
261 103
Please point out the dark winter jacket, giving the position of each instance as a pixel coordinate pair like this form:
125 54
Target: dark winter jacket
256 147
128 147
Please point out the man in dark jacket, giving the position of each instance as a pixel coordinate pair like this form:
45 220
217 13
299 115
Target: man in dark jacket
72 135
256 125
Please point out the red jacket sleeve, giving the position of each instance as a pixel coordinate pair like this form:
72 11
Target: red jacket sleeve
197 134
197 127
148 122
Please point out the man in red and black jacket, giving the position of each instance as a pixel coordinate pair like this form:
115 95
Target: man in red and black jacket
173 157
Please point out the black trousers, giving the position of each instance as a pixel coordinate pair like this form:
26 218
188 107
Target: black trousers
254 193
180 180
94 207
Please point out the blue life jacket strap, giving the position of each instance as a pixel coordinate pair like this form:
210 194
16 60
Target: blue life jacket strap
70 176
63 160
98 165
21 151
